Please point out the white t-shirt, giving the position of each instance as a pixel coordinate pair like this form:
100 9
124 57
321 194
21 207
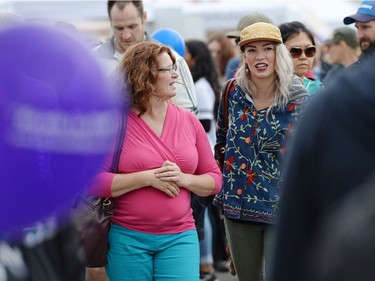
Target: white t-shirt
206 103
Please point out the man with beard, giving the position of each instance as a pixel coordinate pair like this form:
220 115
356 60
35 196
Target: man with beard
364 21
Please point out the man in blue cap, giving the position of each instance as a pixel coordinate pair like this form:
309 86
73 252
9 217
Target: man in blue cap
364 21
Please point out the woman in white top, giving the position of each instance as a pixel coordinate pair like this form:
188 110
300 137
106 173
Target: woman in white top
203 70
205 77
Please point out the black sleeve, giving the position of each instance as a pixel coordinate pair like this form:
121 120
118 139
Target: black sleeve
331 154
206 123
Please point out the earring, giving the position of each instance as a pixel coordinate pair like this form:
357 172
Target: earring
247 70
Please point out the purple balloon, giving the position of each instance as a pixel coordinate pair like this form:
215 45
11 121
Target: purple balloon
58 122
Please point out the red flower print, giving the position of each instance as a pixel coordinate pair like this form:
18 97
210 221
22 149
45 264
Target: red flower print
283 149
251 175
290 128
291 107
228 163
243 115
239 192
255 132
247 140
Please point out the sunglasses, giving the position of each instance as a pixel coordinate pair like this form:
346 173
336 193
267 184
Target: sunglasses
297 52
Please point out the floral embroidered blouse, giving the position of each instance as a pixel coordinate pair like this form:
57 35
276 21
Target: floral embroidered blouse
255 143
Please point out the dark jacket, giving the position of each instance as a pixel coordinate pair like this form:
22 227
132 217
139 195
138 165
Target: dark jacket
332 154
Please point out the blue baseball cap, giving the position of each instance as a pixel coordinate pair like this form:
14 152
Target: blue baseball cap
365 13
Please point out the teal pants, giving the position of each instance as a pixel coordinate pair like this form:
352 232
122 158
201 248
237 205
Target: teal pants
140 256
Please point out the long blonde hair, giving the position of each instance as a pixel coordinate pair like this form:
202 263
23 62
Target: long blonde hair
283 80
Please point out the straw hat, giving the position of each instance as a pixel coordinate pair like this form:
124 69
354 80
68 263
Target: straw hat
260 31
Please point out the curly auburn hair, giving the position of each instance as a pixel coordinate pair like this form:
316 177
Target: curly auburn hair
139 68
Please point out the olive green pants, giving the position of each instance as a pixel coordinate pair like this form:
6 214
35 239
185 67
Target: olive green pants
249 245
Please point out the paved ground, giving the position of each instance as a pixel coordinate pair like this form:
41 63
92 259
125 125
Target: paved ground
226 277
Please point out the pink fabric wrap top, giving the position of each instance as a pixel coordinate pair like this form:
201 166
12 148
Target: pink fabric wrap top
184 142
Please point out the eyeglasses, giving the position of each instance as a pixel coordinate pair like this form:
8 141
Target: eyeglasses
297 52
171 69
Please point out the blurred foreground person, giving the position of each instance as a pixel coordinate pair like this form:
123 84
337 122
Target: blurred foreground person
333 153
46 251
345 247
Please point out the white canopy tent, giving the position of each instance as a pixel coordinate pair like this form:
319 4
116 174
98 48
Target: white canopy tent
192 18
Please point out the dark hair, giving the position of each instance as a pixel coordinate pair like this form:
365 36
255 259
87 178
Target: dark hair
122 4
139 68
227 50
291 29
204 67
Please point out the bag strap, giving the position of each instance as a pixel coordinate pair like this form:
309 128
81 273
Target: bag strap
120 141
107 202
224 100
